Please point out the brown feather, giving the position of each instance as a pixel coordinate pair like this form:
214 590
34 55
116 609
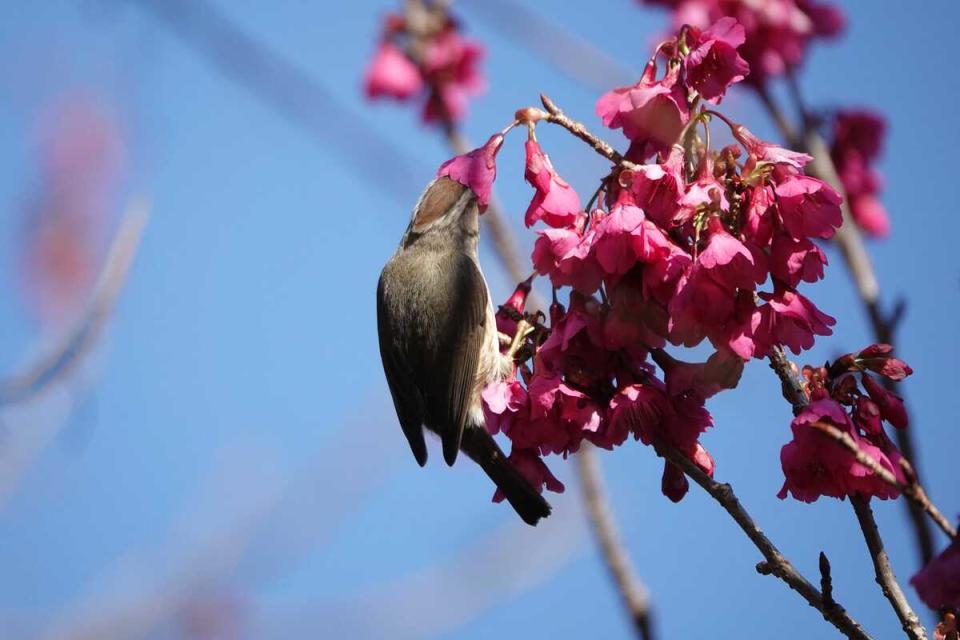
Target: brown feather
439 198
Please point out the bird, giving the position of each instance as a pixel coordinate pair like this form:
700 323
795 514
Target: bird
439 342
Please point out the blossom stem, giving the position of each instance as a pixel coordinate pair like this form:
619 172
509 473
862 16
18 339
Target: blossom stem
633 593
885 577
857 260
774 562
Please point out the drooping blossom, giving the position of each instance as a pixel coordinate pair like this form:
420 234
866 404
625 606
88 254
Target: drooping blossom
554 201
475 169
857 144
532 467
392 74
651 113
713 63
450 69
778 32
434 63
816 465
890 404
808 207
938 583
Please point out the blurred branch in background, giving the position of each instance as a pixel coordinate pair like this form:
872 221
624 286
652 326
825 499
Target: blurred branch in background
292 91
636 600
263 525
572 55
31 425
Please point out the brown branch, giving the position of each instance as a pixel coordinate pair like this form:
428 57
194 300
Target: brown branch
632 591
850 243
76 345
792 388
556 116
774 562
885 577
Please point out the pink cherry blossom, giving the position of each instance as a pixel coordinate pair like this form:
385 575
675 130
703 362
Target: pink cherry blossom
659 188
704 379
728 261
858 142
674 482
795 320
555 202
701 306
503 402
816 465
532 467
449 68
392 74
761 151
476 169
651 112
567 257
891 405
794 260
879 359
938 583
713 63
808 206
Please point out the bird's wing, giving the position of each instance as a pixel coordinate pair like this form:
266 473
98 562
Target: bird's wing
400 378
452 381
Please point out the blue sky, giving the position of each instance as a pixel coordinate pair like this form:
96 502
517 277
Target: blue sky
237 445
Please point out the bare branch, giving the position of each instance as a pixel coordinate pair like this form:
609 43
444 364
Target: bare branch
885 578
75 346
774 562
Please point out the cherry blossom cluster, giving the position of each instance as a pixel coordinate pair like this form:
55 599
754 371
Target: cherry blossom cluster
778 32
692 245
846 396
429 60
857 144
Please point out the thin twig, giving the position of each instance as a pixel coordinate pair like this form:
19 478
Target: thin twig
556 116
74 347
632 591
792 388
850 243
774 562
885 577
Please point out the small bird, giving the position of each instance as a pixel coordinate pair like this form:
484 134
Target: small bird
439 341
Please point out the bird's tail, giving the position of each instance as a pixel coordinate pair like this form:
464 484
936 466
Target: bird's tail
483 449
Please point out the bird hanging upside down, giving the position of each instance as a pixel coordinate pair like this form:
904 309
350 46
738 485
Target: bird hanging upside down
439 342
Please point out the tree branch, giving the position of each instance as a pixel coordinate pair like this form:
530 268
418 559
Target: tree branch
68 353
881 564
774 562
